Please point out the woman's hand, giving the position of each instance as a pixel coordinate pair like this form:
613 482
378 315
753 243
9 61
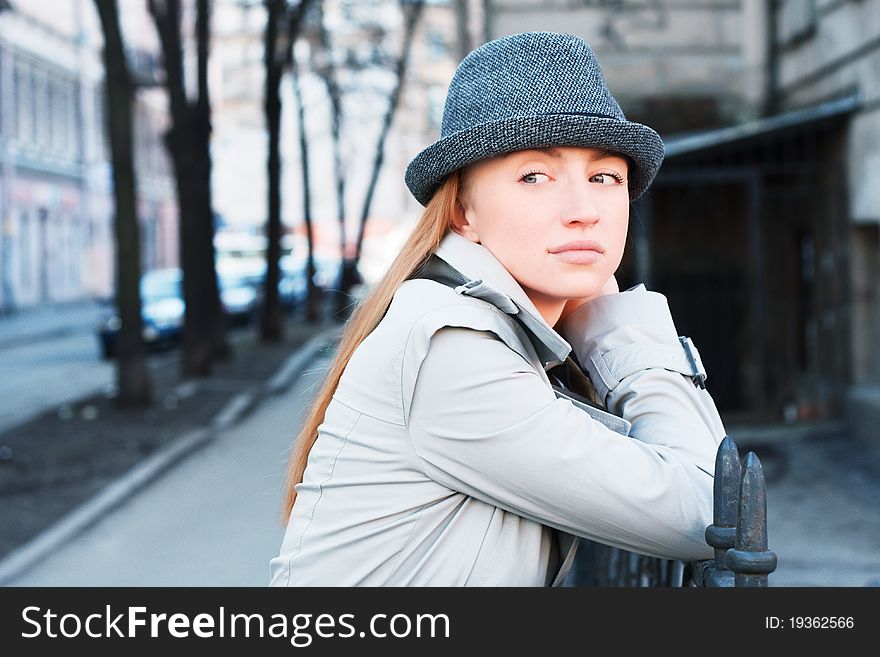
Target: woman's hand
610 287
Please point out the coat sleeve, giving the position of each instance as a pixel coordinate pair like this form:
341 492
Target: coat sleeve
483 422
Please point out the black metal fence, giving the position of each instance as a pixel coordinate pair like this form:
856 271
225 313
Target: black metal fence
738 534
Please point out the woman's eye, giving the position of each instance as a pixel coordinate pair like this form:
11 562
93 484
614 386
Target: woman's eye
531 178
606 179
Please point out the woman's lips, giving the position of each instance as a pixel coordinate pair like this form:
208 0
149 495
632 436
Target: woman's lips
579 256
579 252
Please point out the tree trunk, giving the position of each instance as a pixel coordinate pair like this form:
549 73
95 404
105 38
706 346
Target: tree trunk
313 296
189 141
132 376
205 322
271 326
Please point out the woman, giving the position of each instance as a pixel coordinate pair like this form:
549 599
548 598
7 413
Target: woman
439 452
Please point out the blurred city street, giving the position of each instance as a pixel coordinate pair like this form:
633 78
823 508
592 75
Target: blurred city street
149 150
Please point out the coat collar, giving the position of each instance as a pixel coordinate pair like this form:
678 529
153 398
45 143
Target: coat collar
480 274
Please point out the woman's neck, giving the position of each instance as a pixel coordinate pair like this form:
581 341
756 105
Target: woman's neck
550 307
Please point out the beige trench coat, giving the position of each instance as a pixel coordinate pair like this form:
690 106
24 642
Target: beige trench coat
446 458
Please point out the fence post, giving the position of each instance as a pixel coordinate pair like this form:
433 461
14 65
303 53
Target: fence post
751 561
721 533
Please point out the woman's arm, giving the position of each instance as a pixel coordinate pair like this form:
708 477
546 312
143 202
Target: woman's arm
616 335
484 423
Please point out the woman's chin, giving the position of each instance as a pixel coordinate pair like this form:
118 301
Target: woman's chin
577 292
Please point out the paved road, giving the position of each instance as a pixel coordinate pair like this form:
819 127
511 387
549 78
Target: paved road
823 513
49 371
49 356
209 521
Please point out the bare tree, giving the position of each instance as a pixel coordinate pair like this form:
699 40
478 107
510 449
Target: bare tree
412 10
356 60
132 376
277 56
325 67
313 293
188 141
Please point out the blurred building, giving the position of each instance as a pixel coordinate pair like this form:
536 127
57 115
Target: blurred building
676 65
56 202
826 55
762 227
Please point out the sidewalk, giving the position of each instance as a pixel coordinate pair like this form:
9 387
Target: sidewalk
210 520
49 320
59 460
823 516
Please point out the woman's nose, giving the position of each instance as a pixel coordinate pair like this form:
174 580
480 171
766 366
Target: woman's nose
582 206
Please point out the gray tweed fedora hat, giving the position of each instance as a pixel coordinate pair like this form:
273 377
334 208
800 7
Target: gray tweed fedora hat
531 90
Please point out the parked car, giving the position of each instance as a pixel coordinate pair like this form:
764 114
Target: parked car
241 297
327 272
239 272
326 269
292 287
162 310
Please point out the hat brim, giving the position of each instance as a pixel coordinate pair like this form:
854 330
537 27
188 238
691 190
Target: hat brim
642 144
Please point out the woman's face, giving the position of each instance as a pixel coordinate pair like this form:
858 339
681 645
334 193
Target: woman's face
525 205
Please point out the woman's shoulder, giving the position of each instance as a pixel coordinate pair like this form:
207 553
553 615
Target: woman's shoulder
423 306
420 308
382 370
421 299
415 289
417 310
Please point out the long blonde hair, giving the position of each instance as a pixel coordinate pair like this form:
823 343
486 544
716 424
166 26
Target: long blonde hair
434 224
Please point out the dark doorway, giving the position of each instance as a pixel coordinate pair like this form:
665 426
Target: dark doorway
701 257
747 236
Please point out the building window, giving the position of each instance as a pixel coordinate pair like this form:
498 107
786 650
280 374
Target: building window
52 133
24 111
41 111
74 127
100 132
797 20
67 112
61 108
25 246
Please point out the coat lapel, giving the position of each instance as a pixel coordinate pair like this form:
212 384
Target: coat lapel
478 273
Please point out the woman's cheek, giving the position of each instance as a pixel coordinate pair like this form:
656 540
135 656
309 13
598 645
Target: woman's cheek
615 256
